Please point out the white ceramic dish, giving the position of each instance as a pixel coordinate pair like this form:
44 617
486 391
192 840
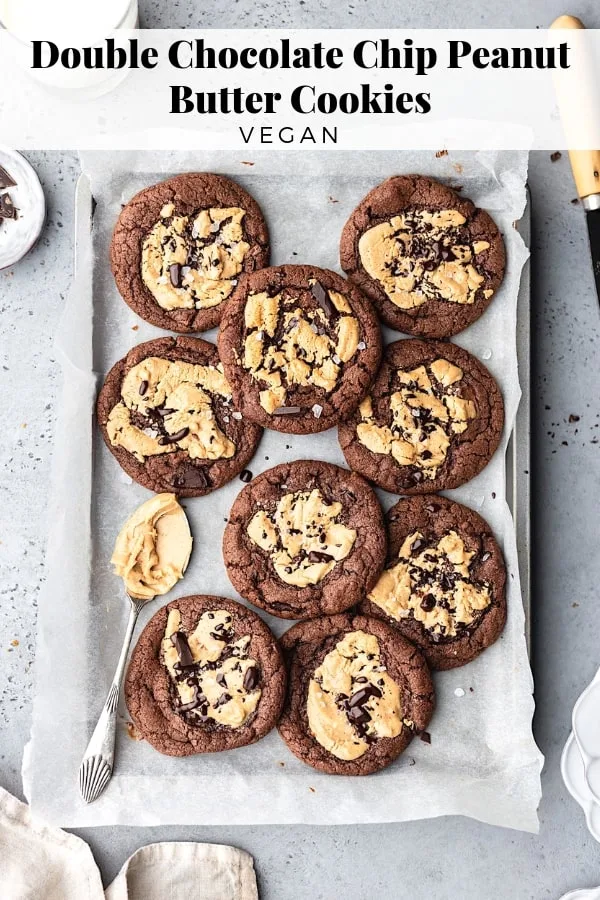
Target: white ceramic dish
583 894
573 773
17 237
586 727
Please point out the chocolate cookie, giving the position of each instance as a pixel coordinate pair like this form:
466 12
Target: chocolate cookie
179 247
428 259
167 415
443 586
300 347
206 674
305 539
432 420
357 693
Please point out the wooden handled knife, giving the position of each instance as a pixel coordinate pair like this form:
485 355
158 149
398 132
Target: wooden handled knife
586 169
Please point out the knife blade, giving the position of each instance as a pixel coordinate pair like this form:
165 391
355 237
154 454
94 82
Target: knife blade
591 205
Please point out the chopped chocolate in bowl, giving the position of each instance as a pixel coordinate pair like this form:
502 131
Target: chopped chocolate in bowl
22 207
300 347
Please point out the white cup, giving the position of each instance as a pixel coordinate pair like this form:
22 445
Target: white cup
68 23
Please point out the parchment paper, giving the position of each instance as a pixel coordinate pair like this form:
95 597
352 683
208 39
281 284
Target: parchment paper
482 760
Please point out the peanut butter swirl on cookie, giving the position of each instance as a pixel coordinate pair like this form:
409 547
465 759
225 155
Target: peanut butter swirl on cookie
352 701
169 405
303 536
425 255
300 346
192 261
427 410
288 344
214 680
431 582
422 255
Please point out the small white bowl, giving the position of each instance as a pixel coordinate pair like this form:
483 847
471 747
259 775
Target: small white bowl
583 894
573 773
18 236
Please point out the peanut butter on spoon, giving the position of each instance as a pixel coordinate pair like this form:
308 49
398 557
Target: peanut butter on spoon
153 548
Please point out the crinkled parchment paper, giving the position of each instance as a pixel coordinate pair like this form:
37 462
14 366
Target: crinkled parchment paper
482 760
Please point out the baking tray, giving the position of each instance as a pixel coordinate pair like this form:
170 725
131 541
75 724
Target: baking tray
518 486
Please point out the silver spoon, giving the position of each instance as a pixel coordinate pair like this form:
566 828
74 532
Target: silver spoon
96 767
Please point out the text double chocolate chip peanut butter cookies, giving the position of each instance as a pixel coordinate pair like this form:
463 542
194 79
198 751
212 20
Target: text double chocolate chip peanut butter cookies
431 421
305 539
166 413
443 586
357 693
300 346
206 675
179 247
428 258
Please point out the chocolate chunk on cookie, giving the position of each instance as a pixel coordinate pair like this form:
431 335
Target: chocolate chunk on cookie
357 693
206 675
179 247
428 258
167 415
300 347
305 539
443 586
432 419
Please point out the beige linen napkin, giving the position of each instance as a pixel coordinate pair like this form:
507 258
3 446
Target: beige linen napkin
39 861
186 871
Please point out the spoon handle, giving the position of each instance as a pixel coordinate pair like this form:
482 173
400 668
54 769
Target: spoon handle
96 767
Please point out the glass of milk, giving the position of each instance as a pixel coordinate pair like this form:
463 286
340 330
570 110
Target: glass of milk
69 23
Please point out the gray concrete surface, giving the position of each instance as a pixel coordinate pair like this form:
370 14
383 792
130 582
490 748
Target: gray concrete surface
448 858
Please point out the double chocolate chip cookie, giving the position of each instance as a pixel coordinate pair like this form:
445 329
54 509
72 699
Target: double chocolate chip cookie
305 539
443 586
206 675
357 693
300 347
431 421
428 258
167 415
180 246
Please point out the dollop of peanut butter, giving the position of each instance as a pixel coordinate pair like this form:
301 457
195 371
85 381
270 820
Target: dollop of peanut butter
153 548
